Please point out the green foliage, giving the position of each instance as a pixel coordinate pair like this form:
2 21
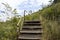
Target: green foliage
56 1
33 16
50 20
52 13
7 31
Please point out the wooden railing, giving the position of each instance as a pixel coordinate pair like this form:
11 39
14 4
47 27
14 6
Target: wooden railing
20 24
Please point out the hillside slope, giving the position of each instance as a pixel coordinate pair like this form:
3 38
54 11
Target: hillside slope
50 19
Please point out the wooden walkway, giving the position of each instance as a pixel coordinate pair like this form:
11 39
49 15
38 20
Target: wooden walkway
31 30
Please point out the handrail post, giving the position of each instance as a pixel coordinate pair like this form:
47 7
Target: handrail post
24 14
18 28
17 32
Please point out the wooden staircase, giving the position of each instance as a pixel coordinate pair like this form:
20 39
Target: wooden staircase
31 30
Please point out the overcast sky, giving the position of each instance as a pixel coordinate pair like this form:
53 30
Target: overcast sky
22 5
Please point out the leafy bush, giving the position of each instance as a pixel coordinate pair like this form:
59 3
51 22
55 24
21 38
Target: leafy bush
50 18
8 30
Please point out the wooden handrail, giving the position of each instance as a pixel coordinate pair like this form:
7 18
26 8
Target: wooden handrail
20 23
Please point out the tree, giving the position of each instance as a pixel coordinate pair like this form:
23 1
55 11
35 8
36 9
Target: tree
8 10
11 13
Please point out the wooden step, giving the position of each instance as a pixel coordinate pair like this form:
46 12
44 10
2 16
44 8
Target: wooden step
32 26
39 34
31 31
33 21
30 23
22 37
29 37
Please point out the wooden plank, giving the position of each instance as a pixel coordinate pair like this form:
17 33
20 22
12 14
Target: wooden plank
26 37
32 26
31 31
32 21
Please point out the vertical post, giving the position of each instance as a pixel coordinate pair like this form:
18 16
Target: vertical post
24 15
17 32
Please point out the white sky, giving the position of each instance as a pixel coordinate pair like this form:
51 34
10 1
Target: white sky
22 5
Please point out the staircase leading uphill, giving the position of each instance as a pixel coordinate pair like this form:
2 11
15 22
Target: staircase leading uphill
31 30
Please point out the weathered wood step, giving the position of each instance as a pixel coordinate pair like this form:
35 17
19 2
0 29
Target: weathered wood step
30 23
29 37
32 26
39 34
33 21
31 31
